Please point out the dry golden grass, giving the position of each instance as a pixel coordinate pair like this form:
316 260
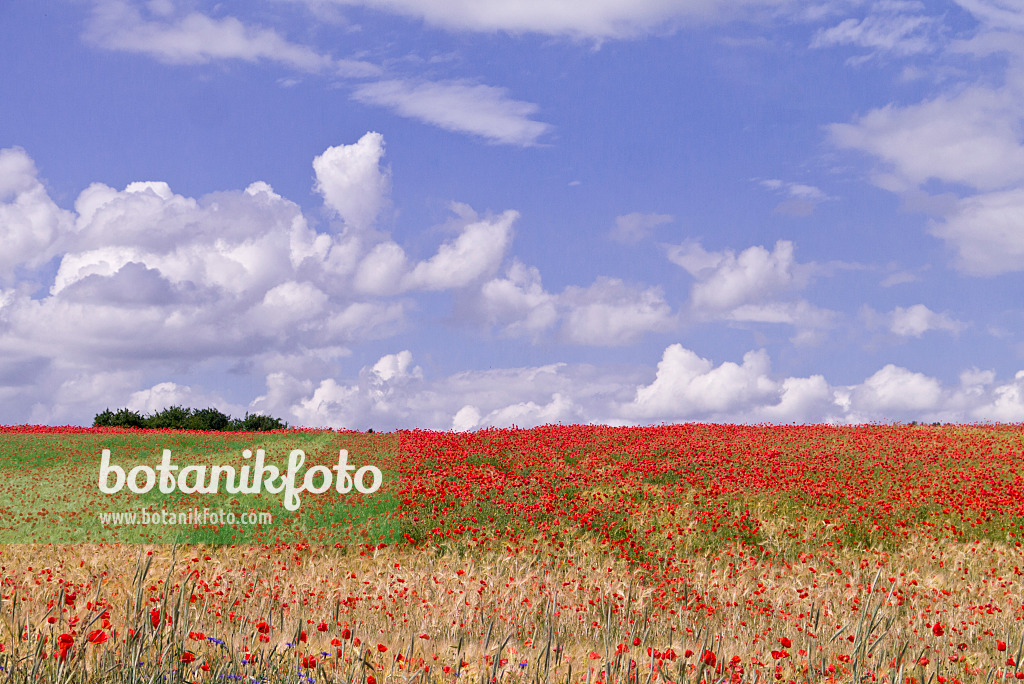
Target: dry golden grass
572 607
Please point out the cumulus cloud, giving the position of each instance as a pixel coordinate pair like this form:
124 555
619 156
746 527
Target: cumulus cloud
393 367
609 312
393 392
151 282
482 110
352 182
897 390
517 304
63 393
726 280
165 394
475 253
381 271
918 319
632 228
984 231
754 286
971 137
559 410
31 225
1006 402
804 400
687 384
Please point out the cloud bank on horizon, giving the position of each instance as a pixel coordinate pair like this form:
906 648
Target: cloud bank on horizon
463 215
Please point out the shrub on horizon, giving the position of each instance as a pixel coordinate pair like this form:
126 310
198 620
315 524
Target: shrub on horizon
181 418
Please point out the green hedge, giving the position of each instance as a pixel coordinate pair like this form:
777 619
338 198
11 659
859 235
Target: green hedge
181 418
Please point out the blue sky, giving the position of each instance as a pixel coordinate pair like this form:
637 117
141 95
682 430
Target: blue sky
425 213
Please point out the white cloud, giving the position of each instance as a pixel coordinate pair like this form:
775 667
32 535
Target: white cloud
152 282
393 392
66 394
331 405
381 271
396 366
197 39
518 304
1000 14
559 410
918 319
794 190
165 394
467 418
598 19
482 110
609 312
632 228
807 400
726 280
985 232
891 27
352 182
811 322
463 401
971 137
688 385
30 223
801 198
899 278
293 303
1006 402
755 286
895 390
474 254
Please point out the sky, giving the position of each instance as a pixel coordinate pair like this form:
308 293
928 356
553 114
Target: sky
461 214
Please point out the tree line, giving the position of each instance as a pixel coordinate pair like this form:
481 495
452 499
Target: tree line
181 418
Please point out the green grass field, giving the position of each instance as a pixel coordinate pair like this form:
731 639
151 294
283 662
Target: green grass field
49 489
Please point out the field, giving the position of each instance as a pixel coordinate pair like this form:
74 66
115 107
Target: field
683 553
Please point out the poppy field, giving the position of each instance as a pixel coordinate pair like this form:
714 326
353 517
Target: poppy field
591 554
